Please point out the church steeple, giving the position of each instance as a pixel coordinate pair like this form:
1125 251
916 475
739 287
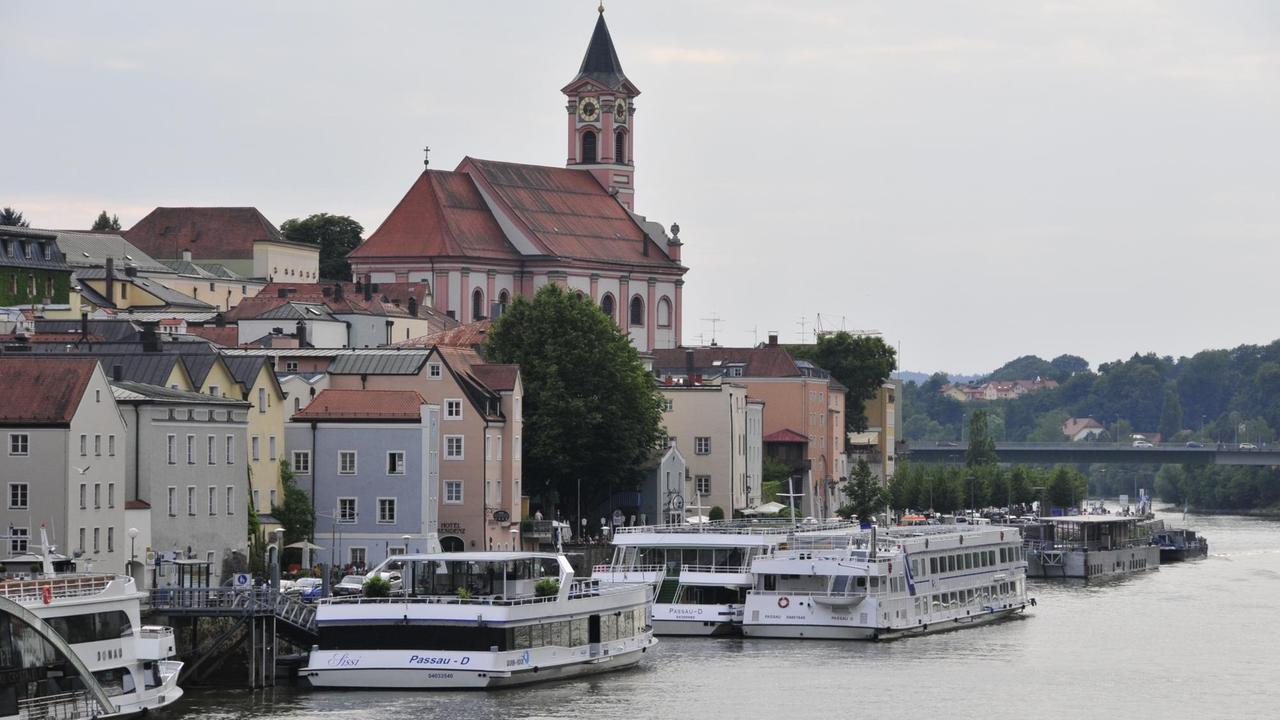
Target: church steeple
601 119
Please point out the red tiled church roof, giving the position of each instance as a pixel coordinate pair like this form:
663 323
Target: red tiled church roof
333 404
442 214
43 390
208 232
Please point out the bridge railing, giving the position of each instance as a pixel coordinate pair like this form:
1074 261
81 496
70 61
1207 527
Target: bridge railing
236 601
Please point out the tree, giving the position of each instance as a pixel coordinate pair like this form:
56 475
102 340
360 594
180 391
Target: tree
865 495
773 479
336 235
12 218
591 411
982 447
1027 367
296 514
1170 414
105 223
1066 488
1068 365
1049 427
861 363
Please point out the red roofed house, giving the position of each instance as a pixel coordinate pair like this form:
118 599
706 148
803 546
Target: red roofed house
62 463
239 238
488 231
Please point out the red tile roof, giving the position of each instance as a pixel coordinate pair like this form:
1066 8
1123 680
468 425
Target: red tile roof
469 335
208 232
137 505
363 405
497 377
785 435
42 390
768 361
443 214
55 337
352 301
227 336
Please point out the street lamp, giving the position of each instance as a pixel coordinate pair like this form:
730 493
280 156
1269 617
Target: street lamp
406 538
133 535
275 567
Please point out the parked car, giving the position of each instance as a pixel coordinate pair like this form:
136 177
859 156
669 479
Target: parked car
1142 444
1194 444
349 585
1247 446
308 589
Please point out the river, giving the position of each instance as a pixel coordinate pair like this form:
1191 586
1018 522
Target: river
1198 639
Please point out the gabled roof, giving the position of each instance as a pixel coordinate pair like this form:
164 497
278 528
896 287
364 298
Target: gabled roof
407 363
17 242
767 361
111 330
42 390
166 295
443 214
500 378
145 368
126 391
333 404
785 435
208 232
222 336
91 249
600 63
470 335
462 363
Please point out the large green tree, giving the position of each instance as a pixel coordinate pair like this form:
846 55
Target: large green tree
982 447
12 218
860 362
864 495
592 414
106 223
295 513
336 235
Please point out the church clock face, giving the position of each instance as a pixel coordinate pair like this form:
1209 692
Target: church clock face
588 109
620 111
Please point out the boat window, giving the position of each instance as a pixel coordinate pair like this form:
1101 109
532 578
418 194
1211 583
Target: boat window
839 584
706 556
92 627
875 584
951 563
689 556
933 565
770 582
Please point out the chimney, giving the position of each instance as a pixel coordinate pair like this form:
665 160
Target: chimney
368 291
413 307
111 280
359 285
150 340
117 372
337 291
453 314
186 255
131 271
302 334
219 320
84 324
688 366
326 291
282 292
773 339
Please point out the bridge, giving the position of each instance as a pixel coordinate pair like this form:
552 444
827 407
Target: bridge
1089 452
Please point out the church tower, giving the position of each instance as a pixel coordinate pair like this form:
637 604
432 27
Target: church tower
601 117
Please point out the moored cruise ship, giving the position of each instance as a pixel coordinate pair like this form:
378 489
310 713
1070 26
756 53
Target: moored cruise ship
98 615
876 585
700 573
480 619
1090 546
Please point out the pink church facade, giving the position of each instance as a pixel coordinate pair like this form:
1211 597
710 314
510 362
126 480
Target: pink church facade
489 231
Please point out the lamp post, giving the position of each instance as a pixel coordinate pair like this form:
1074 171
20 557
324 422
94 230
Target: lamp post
275 567
406 538
133 556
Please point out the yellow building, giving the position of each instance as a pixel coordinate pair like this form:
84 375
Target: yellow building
877 444
266 428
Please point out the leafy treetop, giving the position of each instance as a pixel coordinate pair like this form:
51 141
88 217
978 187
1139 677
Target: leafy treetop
336 235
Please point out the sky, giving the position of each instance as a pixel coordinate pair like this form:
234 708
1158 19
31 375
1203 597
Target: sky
976 181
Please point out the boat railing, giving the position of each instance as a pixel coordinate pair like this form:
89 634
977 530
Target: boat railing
623 567
62 586
736 569
155 632
1041 546
580 589
64 706
738 527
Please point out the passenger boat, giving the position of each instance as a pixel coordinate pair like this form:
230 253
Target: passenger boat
479 619
98 615
1090 546
42 676
879 585
700 573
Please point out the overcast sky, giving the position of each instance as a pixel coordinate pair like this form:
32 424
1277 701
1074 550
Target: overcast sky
976 180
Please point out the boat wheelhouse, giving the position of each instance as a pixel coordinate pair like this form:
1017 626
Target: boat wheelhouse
876 585
1089 546
480 619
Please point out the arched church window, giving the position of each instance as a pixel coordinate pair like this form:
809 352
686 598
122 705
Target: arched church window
477 305
620 147
637 311
588 147
606 305
504 298
664 313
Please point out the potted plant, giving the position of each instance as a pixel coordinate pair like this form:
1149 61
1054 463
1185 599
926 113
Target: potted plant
464 594
546 587
376 587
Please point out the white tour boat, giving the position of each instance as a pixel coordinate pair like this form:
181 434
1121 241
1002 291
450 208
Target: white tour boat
98 615
700 573
1090 546
885 584
480 619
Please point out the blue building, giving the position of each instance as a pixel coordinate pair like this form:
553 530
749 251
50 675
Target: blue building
369 459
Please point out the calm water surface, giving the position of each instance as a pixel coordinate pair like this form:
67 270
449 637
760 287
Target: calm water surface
1197 639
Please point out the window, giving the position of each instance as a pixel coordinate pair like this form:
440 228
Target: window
19 496
702 484
619 147
262 400
231 449
453 447
396 550
231 500
97 445
453 492
111 539
257 504
488 446
213 500
191 449
346 509
395 462
347 462
452 409
19 538
97 496
589 147
291 366
172 445
504 299
82 539
272 497
19 443
111 445
173 501
84 489
211 449
637 311
606 305
499 446
358 557
386 511
666 442
97 535
111 495
256 445
433 371
702 446
84 445
477 305
271 447
664 313
667 405
302 462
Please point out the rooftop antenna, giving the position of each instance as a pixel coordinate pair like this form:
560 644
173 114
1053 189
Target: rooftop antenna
714 320
802 325
755 335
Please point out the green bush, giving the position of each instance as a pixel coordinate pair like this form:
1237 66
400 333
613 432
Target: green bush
463 593
546 587
717 513
376 587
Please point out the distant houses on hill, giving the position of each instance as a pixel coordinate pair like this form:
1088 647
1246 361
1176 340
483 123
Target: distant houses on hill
996 389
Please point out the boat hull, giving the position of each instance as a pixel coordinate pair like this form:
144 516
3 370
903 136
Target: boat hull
1093 564
696 620
855 632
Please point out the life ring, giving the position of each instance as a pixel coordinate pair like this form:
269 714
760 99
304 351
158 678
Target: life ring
784 601
46 594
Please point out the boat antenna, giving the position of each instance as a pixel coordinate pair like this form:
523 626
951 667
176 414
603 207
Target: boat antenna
791 499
